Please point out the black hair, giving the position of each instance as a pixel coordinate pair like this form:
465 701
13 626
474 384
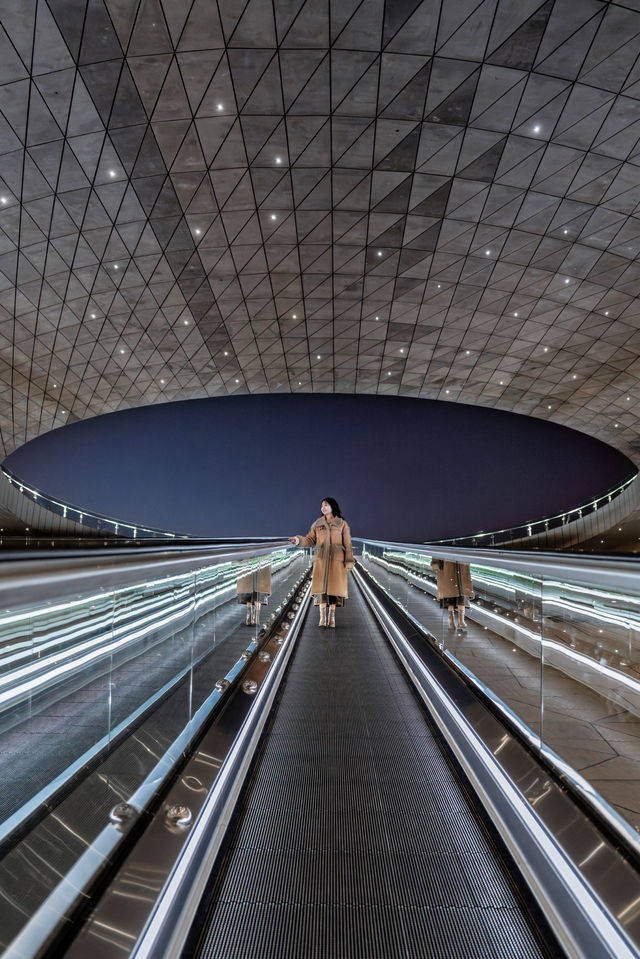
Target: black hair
333 503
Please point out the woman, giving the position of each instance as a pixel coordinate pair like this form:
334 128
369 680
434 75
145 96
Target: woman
333 556
454 588
252 590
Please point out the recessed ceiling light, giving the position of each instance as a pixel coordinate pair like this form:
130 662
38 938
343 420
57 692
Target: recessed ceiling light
566 279
115 266
112 172
388 374
515 314
273 216
439 285
186 322
537 128
548 407
4 199
575 376
197 231
628 398
293 316
221 106
401 350
616 425
299 382
226 353
318 357
278 159
501 383
121 351
468 352
237 381
377 317
546 349
55 386
447 391
93 316
487 252
565 232
162 381
379 252
606 312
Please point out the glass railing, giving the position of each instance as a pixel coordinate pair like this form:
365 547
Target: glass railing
552 641
109 667
103 525
547 533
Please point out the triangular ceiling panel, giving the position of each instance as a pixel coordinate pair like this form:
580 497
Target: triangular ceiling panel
196 174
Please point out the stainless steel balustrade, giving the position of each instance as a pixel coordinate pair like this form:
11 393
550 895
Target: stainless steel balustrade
562 530
107 677
109 667
586 887
552 640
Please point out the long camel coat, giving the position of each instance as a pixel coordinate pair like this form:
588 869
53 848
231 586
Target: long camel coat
256 583
333 555
454 579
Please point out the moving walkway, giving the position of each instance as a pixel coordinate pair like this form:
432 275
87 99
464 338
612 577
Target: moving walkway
176 783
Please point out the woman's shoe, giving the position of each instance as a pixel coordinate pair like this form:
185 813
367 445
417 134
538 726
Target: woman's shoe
323 616
332 619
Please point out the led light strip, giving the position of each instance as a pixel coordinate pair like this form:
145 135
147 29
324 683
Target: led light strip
580 783
43 922
170 922
578 917
37 675
549 644
8 825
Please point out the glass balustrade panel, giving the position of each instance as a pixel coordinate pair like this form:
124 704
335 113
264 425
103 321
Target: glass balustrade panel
501 644
376 565
591 690
54 695
104 693
491 627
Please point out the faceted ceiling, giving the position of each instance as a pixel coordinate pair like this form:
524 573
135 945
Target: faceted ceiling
434 199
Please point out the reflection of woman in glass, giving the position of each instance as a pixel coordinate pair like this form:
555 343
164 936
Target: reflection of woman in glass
333 556
454 588
253 590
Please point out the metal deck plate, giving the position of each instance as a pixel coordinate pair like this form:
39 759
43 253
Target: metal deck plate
356 840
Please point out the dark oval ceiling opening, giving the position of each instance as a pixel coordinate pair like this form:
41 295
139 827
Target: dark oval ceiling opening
402 469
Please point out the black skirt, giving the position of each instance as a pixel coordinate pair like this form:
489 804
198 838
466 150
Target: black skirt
325 599
447 601
244 598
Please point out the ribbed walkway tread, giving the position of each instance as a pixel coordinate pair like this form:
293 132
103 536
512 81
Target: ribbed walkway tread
357 842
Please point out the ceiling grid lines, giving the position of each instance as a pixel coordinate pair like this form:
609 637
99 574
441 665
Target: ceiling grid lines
62 385
428 278
394 143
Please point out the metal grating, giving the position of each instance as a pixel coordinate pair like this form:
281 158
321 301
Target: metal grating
356 840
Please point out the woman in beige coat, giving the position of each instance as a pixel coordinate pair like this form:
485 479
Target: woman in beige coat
454 588
252 590
333 557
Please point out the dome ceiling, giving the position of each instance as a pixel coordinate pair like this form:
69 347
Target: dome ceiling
431 199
